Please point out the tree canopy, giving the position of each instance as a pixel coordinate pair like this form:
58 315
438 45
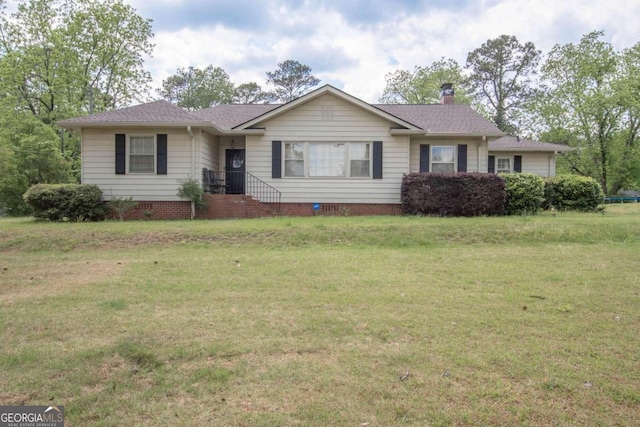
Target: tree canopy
250 93
194 89
590 99
500 76
61 59
290 80
422 85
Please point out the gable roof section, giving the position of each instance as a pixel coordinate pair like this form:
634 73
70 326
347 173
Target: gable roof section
281 109
157 113
512 143
444 119
227 116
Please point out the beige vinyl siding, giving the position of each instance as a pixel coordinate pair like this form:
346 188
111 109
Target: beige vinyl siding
330 119
475 163
98 165
539 163
209 152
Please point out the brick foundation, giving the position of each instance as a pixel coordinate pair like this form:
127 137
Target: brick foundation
158 210
228 206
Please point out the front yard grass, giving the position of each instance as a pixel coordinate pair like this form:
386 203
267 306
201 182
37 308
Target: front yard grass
526 321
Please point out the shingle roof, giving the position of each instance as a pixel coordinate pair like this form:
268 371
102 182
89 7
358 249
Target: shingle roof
230 115
152 112
434 119
443 119
512 143
440 119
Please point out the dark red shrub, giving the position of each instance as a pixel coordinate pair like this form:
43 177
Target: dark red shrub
460 194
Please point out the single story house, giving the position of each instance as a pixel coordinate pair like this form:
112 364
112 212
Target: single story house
325 152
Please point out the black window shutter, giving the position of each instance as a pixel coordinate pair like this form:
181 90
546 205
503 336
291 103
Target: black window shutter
161 154
425 152
377 159
276 159
492 164
517 163
121 153
462 157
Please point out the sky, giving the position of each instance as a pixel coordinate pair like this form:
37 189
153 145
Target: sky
354 44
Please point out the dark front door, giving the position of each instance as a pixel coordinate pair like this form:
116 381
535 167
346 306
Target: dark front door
234 166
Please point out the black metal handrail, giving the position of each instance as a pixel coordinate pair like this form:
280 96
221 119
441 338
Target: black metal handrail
240 182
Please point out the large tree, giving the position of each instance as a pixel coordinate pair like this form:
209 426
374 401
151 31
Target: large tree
249 93
422 85
291 80
29 154
500 75
60 59
194 89
66 58
628 89
590 101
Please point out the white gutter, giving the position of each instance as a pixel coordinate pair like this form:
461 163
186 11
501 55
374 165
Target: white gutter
193 152
484 138
421 132
244 132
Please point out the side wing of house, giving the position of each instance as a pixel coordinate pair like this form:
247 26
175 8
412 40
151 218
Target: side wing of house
140 162
329 150
513 154
539 163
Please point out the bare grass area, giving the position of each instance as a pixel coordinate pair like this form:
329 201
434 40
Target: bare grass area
371 321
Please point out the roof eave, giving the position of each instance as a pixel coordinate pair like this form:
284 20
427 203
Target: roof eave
77 126
468 134
408 132
251 131
532 149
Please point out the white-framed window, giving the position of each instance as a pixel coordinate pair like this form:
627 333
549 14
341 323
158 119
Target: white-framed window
443 159
142 154
327 159
360 159
503 165
294 159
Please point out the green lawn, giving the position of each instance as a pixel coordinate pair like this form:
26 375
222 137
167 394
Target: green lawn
528 321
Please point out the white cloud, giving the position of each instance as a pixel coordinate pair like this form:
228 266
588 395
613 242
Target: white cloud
356 54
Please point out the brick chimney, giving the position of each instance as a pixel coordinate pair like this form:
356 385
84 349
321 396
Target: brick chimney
447 94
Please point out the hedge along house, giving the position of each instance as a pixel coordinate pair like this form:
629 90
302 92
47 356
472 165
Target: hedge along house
326 152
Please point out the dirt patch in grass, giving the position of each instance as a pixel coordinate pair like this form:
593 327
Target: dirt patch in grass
48 279
15 398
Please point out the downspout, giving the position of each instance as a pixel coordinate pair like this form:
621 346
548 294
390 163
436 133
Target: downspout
193 166
484 138
82 156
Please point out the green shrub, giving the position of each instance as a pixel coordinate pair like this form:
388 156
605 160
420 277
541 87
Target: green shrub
122 205
191 189
66 202
573 192
460 194
525 193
